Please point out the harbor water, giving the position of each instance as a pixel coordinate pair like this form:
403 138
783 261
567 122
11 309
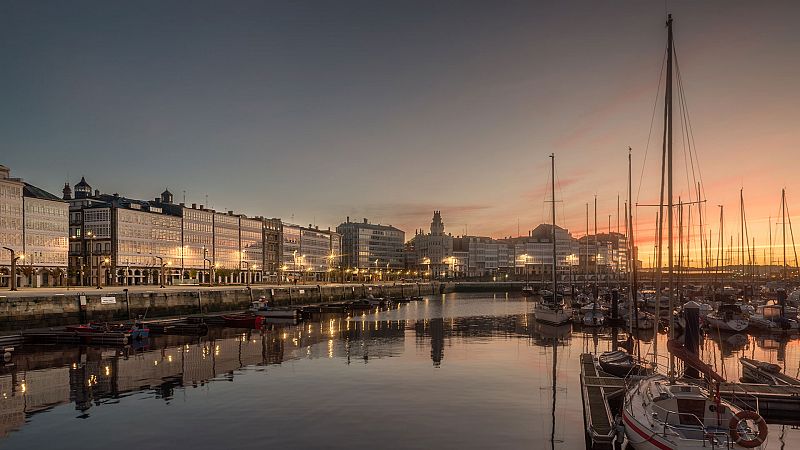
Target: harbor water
451 371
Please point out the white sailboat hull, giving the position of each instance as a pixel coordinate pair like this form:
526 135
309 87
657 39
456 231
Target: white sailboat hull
727 325
552 315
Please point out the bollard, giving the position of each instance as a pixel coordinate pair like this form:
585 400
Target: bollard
127 303
691 314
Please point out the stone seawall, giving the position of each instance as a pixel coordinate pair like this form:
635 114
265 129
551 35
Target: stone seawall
73 307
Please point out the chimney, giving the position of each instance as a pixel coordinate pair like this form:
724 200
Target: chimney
97 192
348 219
183 204
194 205
365 220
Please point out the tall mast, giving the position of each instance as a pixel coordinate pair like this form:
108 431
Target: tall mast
553 201
783 214
586 271
670 212
770 244
597 254
702 234
741 225
632 247
722 244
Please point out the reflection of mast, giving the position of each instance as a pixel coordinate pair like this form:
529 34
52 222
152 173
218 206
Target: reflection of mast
437 341
553 410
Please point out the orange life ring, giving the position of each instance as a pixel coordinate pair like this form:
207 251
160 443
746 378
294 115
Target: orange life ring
733 427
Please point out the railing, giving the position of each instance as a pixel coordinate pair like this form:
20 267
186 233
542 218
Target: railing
701 428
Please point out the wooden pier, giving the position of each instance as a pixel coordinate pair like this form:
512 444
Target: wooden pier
599 391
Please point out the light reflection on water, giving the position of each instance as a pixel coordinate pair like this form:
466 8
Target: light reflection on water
461 370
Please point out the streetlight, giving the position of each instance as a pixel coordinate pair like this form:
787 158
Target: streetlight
105 262
14 259
161 272
90 234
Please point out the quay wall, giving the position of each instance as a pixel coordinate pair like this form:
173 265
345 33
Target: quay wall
72 307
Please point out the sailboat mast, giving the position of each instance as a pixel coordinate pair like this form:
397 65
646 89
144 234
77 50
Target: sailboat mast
783 214
632 246
553 201
596 255
741 225
670 212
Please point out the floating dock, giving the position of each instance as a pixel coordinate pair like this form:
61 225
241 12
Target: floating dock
600 391
75 337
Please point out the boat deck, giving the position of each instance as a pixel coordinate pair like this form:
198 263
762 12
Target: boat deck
597 388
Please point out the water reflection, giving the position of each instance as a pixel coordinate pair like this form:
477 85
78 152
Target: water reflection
478 367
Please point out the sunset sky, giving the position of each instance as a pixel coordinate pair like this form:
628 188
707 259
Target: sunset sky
389 110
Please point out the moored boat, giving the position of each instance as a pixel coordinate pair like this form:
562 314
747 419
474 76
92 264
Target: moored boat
243 321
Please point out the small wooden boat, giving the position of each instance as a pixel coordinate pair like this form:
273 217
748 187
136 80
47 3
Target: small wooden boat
136 331
360 305
243 321
756 371
621 364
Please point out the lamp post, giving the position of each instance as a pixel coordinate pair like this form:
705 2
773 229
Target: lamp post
105 262
14 258
90 235
161 271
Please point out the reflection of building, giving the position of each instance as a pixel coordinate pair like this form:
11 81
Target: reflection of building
34 223
433 251
366 245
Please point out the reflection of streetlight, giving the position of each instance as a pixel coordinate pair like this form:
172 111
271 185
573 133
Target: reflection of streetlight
14 259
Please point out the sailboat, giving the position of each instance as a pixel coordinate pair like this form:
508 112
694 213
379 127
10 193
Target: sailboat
552 309
664 412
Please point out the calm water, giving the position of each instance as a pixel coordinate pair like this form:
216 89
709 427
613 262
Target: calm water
456 371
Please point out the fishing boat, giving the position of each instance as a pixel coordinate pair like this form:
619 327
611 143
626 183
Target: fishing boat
756 371
243 321
551 309
728 317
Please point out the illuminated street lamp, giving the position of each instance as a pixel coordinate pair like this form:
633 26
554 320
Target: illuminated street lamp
100 266
14 258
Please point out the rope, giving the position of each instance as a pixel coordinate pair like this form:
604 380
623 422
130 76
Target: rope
652 120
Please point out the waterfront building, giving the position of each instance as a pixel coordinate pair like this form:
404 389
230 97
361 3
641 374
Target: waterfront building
10 221
433 251
45 243
367 246
478 256
310 254
128 241
532 255
35 224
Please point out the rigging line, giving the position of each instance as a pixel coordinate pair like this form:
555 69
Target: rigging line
685 144
791 232
691 129
652 120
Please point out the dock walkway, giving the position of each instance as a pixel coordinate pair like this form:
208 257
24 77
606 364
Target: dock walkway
597 388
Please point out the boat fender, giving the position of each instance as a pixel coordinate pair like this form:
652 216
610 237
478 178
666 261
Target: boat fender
755 441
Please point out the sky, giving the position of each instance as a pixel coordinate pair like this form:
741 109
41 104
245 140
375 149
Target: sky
315 111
